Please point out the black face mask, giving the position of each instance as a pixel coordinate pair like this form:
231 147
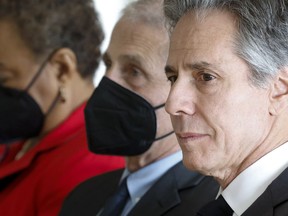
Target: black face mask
20 115
119 122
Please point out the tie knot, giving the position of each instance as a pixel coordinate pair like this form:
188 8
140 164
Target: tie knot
218 207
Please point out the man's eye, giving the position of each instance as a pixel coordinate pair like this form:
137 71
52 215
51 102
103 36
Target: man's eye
172 79
133 76
206 77
131 72
134 72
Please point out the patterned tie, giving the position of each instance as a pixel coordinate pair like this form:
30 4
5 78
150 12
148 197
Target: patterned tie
218 207
114 206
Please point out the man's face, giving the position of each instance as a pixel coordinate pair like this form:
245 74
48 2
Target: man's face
135 59
219 117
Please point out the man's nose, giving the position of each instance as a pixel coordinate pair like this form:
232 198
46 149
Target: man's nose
181 100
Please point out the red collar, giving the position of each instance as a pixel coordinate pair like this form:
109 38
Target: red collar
66 130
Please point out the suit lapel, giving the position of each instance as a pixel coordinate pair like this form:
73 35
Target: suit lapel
275 194
164 194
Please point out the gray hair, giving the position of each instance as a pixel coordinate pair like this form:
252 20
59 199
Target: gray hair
149 12
262 37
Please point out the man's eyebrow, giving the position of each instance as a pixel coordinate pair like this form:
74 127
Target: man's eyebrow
199 66
192 66
169 69
135 59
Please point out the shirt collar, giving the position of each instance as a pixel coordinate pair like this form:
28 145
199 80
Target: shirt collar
253 181
141 181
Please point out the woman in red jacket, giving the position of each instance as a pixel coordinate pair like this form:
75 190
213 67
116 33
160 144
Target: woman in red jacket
48 54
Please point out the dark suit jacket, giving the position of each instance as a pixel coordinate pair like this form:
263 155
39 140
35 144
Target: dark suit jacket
274 201
178 192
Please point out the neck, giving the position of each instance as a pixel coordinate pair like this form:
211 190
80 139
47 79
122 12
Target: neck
157 151
62 110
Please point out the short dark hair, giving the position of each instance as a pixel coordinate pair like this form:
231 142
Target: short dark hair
46 25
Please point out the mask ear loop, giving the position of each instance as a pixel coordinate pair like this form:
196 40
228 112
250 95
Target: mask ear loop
165 135
40 70
159 106
58 96
38 74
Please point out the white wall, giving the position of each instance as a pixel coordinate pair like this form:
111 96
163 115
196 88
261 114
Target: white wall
109 11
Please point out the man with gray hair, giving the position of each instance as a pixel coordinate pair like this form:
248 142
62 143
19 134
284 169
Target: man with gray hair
228 102
126 116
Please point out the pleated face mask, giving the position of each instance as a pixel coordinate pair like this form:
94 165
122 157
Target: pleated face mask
20 115
120 122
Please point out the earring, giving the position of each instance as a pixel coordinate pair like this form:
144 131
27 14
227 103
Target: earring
62 93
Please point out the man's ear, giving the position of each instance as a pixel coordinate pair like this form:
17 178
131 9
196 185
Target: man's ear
279 93
65 62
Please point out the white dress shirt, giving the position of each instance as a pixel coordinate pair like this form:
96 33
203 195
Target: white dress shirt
253 181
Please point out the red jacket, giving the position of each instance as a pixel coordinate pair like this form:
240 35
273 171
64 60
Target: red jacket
37 183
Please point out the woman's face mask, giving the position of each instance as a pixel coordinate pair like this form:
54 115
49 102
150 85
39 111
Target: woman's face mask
20 115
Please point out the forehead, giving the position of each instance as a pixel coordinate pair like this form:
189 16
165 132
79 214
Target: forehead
203 37
138 41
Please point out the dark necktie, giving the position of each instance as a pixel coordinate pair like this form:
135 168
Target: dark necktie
114 206
218 207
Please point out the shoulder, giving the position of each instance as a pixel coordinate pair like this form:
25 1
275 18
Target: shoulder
178 192
96 184
191 185
183 177
274 200
88 197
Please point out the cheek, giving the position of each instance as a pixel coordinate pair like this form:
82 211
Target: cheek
164 124
160 95
242 124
